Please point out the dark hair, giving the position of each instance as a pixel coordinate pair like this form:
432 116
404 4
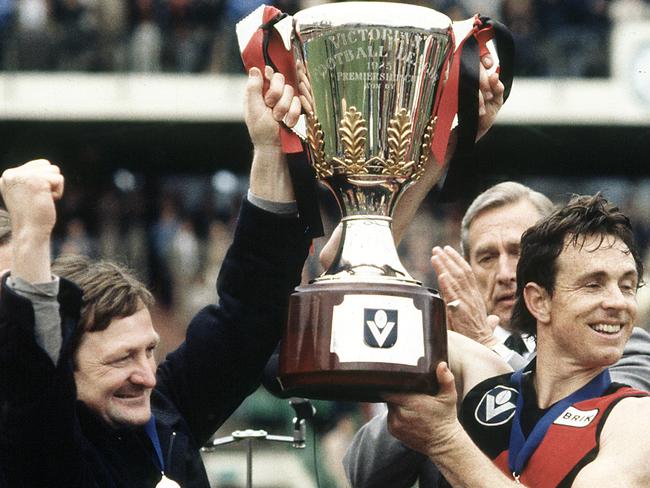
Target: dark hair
541 245
109 290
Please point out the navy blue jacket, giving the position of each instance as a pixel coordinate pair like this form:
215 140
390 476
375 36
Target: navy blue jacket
53 440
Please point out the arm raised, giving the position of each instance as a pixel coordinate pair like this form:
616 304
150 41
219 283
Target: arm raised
264 111
29 192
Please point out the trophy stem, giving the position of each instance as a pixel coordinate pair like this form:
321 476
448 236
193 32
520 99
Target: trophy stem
367 253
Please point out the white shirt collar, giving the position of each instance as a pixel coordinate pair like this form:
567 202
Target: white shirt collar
502 334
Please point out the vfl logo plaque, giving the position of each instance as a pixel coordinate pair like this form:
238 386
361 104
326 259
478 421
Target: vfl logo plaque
364 329
497 406
380 327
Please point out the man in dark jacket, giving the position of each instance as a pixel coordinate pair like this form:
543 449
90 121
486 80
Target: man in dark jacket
87 406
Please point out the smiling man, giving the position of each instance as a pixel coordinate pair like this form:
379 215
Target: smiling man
560 421
482 284
114 367
87 406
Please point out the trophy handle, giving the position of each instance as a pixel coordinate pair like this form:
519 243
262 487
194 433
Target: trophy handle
482 31
496 39
493 38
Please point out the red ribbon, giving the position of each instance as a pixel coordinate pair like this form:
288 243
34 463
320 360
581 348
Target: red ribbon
253 56
448 105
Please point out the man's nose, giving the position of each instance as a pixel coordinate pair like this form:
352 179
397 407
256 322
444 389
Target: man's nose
144 373
506 269
614 298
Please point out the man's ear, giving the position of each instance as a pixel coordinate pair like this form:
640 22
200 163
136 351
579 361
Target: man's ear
538 302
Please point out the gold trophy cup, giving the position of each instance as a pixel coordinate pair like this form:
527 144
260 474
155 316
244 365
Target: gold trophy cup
372 75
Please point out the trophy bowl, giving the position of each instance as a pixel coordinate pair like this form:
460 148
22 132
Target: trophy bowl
370 76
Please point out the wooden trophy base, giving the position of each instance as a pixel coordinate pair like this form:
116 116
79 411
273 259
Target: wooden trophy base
357 341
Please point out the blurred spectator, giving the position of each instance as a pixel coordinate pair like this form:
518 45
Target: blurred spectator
122 230
184 262
31 45
76 239
7 18
520 17
76 34
145 37
216 246
225 56
189 30
575 34
112 29
109 238
196 265
336 438
163 233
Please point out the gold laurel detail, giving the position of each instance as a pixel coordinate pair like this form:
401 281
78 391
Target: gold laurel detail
425 150
399 138
315 140
353 136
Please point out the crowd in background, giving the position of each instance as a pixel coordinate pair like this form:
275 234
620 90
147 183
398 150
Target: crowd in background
176 234
554 38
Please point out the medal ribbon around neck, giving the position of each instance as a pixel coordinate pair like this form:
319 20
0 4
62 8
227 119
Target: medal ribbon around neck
152 433
521 448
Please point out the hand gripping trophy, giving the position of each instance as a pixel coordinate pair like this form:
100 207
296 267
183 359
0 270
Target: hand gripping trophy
378 83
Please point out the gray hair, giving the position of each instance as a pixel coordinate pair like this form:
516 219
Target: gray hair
498 196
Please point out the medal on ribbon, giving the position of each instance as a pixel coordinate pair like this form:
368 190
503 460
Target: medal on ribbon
152 433
165 482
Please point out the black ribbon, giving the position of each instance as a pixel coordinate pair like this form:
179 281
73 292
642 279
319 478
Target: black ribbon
463 168
305 189
266 27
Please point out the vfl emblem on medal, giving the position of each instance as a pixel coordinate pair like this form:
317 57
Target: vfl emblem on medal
380 327
497 406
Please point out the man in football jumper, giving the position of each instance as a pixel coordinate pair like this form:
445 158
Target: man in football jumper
560 421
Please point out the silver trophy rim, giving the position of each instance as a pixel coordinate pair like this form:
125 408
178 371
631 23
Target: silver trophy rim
384 14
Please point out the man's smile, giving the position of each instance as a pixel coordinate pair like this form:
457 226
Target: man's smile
607 329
